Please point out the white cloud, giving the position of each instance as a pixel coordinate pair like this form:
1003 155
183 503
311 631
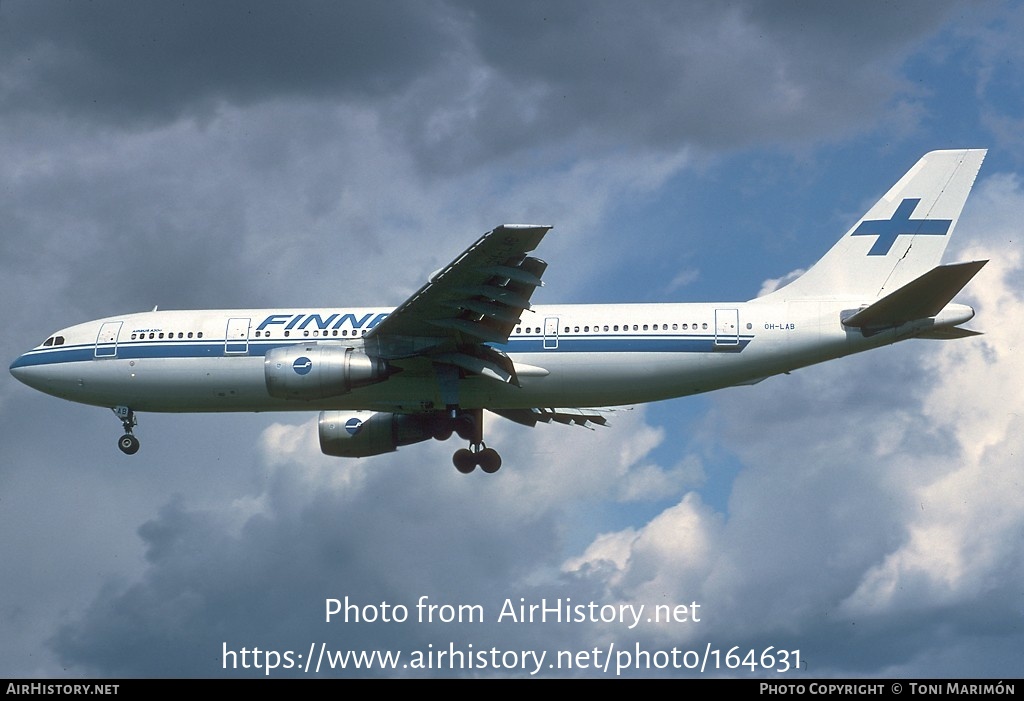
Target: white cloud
883 509
773 284
961 541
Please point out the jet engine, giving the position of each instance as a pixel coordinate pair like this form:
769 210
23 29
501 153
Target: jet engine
360 434
314 371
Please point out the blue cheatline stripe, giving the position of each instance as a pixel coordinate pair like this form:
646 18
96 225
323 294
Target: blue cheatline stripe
135 350
626 344
214 348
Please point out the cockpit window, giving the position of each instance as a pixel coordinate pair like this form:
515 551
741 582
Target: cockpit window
48 342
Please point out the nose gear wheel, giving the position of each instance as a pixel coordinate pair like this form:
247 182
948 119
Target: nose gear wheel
128 443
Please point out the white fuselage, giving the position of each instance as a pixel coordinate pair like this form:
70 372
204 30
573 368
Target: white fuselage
565 355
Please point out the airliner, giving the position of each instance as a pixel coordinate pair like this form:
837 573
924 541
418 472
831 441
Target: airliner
471 339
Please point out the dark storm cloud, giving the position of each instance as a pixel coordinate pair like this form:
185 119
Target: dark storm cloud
663 75
462 83
151 61
361 539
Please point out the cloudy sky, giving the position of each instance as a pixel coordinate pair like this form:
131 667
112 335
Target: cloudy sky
866 512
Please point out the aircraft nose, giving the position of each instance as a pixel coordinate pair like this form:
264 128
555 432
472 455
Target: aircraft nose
24 372
17 367
48 376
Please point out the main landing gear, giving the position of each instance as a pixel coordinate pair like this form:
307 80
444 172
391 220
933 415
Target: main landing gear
128 443
471 427
466 459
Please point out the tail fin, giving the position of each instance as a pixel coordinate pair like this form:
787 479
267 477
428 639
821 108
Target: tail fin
899 239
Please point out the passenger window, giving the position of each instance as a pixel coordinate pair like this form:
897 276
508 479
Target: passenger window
199 335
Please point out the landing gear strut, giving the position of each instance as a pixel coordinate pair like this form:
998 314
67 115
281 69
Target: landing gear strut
128 443
466 459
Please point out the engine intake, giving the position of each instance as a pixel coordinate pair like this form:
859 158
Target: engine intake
360 434
315 371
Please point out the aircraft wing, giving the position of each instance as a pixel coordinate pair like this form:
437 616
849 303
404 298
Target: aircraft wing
474 300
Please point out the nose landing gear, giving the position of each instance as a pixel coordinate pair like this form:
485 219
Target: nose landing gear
128 443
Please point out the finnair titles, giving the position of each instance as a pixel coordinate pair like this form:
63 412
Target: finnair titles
321 322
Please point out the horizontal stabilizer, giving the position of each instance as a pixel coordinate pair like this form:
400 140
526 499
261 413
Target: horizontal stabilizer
919 299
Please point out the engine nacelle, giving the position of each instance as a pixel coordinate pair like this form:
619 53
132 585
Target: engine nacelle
360 434
318 371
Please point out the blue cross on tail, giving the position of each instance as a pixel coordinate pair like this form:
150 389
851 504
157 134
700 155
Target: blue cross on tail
887 230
